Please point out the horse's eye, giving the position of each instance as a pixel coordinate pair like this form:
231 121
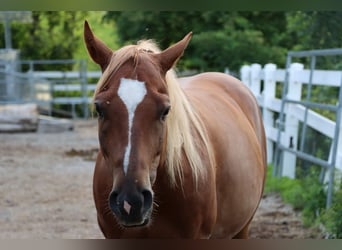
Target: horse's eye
165 113
99 111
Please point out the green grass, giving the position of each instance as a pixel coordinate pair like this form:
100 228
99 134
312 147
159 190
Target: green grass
107 32
332 218
306 194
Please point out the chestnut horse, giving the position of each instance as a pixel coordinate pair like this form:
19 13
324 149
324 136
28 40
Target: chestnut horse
178 158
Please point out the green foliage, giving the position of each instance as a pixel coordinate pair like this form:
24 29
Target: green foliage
51 35
230 39
107 32
290 189
332 217
59 35
306 194
315 29
220 39
314 199
165 27
215 50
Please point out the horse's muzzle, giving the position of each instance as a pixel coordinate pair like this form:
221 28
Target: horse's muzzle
131 208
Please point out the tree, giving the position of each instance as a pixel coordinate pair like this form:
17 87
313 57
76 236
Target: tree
51 35
220 39
165 27
315 29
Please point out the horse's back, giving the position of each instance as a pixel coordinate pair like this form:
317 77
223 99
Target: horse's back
218 87
233 121
217 92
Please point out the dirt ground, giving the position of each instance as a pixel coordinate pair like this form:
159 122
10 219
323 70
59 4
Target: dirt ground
46 190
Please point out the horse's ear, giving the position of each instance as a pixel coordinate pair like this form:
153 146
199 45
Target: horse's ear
98 51
169 56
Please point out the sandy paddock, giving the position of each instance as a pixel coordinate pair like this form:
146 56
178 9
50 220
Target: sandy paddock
46 189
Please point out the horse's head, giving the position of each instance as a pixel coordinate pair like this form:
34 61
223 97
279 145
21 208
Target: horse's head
132 103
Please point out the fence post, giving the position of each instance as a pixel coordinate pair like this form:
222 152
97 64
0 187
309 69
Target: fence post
245 74
11 85
291 122
338 174
325 178
255 79
335 176
226 71
268 94
84 90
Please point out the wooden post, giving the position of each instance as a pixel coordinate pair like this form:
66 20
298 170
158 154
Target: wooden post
245 74
255 79
291 122
84 83
268 115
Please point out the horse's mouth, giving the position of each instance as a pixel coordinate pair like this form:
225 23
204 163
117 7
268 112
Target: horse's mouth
131 222
131 225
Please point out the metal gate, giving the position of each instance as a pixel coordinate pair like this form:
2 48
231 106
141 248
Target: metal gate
44 82
280 148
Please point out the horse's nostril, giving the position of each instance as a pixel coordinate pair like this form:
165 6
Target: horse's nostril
148 198
113 201
131 208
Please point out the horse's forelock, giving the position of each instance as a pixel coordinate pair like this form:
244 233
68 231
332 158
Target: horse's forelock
121 56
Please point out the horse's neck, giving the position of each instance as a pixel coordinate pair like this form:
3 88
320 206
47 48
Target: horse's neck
163 183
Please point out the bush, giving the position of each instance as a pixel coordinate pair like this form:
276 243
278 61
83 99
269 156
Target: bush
215 50
332 218
306 194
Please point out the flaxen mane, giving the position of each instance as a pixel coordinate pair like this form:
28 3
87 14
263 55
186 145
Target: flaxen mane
182 122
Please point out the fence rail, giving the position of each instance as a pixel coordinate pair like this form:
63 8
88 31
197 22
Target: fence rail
49 88
253 76
283 134
56 87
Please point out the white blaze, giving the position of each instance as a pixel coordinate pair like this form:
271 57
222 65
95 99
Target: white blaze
132 93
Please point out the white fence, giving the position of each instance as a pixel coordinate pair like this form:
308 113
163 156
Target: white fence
69 87
34 81
254 76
